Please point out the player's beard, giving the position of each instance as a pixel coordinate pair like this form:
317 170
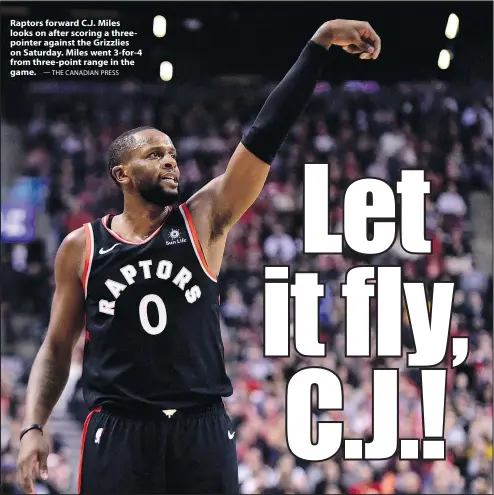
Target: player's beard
159 196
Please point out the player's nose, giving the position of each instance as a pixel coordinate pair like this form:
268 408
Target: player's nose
170 166
169 163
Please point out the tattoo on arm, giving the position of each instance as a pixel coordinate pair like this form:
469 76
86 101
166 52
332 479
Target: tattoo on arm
48 378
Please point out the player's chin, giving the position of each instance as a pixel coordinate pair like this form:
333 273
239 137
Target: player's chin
170 187
160 195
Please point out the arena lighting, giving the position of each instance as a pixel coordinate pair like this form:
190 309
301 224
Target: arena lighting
166 71
193 24
452 26
444 59
159 26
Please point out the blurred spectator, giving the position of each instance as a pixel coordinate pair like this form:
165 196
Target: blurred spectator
280 246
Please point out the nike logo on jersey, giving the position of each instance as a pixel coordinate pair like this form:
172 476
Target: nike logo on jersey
231 435
104 251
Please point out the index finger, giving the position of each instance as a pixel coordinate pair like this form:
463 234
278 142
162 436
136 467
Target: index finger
376 40
26 481
366 31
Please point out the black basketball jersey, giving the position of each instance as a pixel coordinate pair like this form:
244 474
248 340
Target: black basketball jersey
152 319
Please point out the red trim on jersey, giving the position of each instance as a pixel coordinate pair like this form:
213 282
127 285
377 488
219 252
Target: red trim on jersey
87 257
104 221
195 240
83 441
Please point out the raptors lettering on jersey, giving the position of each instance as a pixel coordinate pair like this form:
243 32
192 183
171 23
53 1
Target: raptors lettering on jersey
143 270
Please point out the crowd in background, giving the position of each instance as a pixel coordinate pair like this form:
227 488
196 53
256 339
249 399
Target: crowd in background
449 136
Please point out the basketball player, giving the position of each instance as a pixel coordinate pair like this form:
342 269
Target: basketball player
144 286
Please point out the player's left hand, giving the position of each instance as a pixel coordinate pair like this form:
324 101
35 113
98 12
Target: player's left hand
356 37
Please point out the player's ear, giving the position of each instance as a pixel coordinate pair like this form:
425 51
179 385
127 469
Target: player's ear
120 175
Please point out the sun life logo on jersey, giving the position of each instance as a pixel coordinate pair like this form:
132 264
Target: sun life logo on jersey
176 237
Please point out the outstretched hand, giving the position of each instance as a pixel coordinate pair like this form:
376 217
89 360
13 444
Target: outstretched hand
356 37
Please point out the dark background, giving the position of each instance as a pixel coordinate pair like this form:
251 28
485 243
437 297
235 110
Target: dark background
265 37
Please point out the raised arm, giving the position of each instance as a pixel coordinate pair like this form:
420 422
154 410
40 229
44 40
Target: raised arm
51 367
227 197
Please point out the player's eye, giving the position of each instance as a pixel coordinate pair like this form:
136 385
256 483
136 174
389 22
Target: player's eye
155 154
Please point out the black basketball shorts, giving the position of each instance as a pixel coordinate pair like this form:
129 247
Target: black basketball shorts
189 451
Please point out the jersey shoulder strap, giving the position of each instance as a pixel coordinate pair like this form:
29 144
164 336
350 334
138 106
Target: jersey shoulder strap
89 231
184 212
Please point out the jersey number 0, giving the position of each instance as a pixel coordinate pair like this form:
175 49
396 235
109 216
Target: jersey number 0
144 315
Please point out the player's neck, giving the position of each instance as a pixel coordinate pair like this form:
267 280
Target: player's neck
142 218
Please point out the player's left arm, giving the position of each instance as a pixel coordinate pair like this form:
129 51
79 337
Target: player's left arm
227 197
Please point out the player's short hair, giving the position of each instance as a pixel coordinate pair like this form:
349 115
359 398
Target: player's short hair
120 146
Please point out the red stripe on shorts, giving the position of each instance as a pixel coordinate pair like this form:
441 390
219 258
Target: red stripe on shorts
83 441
